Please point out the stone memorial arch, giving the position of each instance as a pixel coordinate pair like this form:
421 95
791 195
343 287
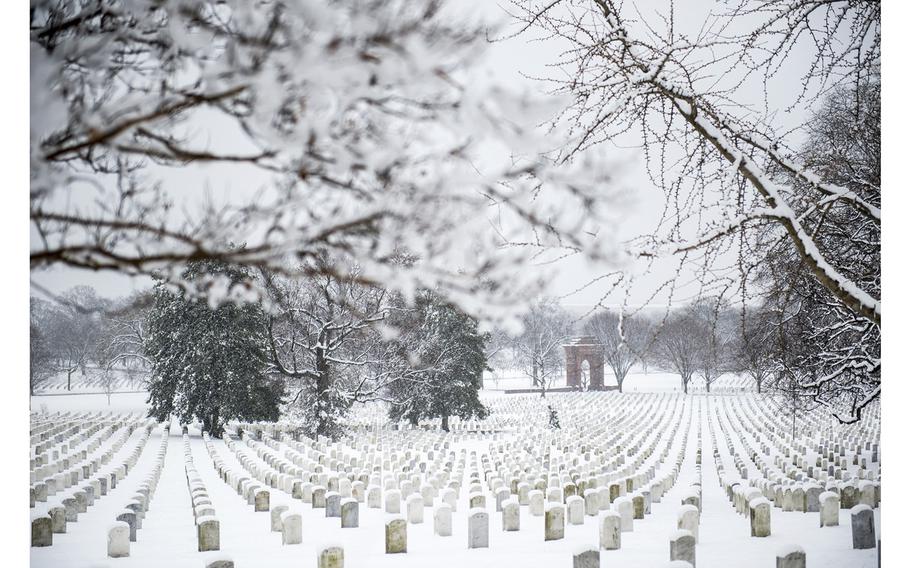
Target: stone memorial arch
579 350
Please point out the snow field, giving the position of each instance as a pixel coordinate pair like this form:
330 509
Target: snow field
608 438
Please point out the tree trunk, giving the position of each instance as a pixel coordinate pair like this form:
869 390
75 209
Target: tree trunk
412 418
69 374
445 422
685 385
708 386
323 392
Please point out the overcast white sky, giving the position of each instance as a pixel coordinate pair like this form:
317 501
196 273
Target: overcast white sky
510 61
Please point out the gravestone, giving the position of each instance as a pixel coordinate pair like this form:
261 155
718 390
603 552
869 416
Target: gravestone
554 521
511 515
393 501
129 517
829 515
118 540
331 557
862 520
442 520
208 534
350 513
586 558
688 519
791 556
610 530
575 507
478 528
333 504
291 528
42 531
396 536
58 519
277 511
682 546
760 517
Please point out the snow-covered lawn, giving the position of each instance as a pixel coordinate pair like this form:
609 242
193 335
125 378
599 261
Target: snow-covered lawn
636 381
598 420
121 380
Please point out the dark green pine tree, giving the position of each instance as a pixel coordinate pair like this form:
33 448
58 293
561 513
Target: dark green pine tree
209 364
447 353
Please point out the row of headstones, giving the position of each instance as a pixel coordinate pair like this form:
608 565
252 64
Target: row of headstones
797 451
343 505
416 507
556 512
70 435
782 498
59 434
396 462
751 501
822 426
339 486
612 522
71 505
768 482
605 477
125 528
43 427
260 454
416 504
79 470
73 461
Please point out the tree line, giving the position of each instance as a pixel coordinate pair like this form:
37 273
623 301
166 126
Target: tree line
309 350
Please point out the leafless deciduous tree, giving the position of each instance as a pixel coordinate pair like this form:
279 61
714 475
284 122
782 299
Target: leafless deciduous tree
40 361
123 334
368 122
538 350
833 352
623 338
325 338
715 327
753 352
731 170
677 346
74 327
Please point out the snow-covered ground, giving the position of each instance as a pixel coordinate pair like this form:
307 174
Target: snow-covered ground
636 381
93 381
168 534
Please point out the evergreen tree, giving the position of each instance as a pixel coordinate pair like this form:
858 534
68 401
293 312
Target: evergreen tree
209 363
448 354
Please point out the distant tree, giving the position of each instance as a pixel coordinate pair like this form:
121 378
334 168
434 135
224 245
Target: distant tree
123 333
623 340
754 348
538 350
322 338
40 356
676 347
108 381
714 327
209 361
448 357
74 329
